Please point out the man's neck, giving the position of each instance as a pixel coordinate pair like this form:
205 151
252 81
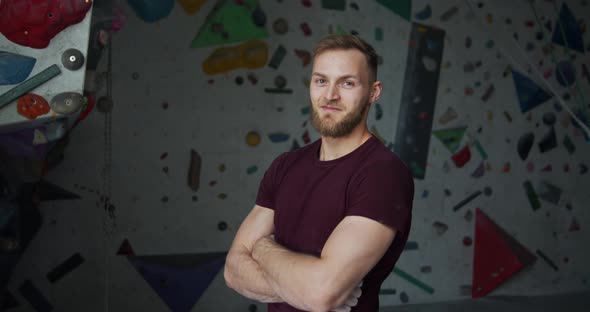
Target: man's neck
333 148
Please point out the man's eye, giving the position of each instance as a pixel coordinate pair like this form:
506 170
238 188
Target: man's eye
320 81
348 83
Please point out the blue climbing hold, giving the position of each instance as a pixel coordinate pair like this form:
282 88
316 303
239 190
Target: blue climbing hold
564 72
567 31
530 95
15 68
151 10
278 137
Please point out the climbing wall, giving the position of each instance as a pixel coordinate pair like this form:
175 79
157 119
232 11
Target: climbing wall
486 101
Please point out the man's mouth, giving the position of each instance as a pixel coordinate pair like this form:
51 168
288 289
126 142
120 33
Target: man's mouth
330 108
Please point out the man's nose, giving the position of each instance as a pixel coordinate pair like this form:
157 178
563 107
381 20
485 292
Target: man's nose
332 93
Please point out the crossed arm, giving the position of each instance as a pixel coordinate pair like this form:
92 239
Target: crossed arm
261 269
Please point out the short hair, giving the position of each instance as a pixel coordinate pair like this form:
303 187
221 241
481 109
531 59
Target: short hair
348 42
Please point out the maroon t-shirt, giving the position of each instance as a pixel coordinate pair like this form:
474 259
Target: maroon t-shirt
310 197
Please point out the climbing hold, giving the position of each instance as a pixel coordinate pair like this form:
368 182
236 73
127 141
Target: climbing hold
440 227
277 57
448 14
449 115
467 241
550 192
251 169
486 96
548 142
15 68
531 195
424 14
250 54
280 26
151 10
565 74
35 23
479 171
280 81
304 56
222 226
378 34
194 171
72 59
305 29
569 145
67 102
378 111
253 138
525 143
403 297
462 156
466 200
258 17
32 106
278 137
339 5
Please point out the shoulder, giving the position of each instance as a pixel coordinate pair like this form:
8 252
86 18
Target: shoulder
382 158
382 162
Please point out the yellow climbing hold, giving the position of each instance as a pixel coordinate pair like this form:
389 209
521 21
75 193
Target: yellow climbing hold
251 54
252 138
191 6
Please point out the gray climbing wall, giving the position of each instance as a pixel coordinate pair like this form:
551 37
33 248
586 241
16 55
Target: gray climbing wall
503 140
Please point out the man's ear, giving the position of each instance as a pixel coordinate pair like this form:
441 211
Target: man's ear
376 89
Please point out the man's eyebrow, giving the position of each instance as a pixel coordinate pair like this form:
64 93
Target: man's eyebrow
339 78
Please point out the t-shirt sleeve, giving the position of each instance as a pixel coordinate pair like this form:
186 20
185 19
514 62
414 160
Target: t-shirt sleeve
383 192
268 185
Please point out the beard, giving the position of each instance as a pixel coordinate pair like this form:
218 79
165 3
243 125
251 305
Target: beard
328 127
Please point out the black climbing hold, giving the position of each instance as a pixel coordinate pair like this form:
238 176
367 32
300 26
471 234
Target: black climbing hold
72 59
525 143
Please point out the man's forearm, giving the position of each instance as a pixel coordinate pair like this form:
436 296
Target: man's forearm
244 275
293 276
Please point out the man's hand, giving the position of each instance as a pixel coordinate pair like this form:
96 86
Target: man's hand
352 300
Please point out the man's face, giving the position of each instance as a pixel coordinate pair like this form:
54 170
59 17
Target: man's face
339 92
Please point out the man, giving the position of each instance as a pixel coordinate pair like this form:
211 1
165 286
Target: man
331 218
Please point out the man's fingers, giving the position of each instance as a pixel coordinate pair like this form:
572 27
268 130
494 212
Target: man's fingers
343 308
351 301
356 292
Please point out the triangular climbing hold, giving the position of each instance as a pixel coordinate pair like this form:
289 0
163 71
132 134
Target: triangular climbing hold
402 8
496 257
191 6
530 95
231 21
567 31
179 280
50 191
451 138
125 249
550 192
